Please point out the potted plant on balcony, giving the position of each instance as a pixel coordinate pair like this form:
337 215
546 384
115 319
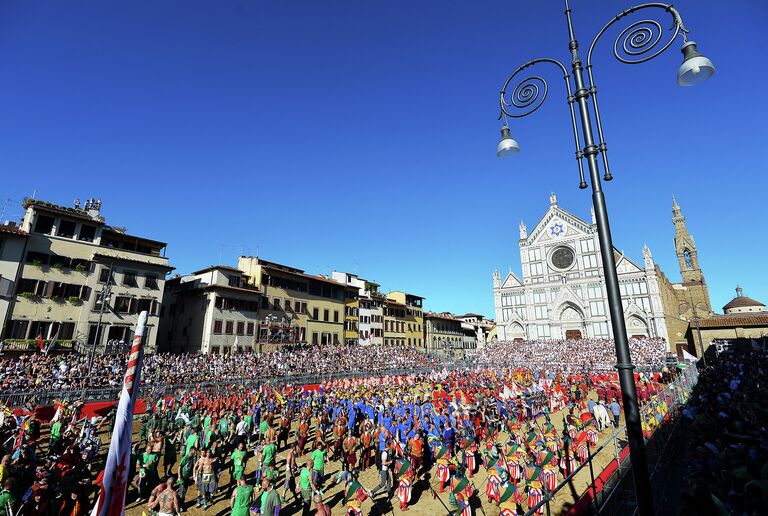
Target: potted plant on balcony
37 263
58 266
28 295
74 300
81 268
57 299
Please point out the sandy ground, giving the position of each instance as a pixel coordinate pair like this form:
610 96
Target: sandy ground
423 502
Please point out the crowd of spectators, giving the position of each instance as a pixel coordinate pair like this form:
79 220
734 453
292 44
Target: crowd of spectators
70 371
727 443
573 355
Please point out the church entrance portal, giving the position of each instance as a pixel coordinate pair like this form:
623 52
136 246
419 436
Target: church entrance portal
573 334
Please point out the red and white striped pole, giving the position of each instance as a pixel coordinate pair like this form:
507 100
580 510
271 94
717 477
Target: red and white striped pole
111 501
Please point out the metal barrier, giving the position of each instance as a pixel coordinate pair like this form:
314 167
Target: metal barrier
617 496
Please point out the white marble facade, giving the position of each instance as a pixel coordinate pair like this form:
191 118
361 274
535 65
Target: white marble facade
562 291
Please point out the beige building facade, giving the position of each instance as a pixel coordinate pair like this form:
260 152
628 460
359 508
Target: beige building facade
13 243
211 311
443 334
414 317
73 261
313 307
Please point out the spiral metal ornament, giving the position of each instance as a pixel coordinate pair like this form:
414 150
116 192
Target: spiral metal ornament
641 42
526 97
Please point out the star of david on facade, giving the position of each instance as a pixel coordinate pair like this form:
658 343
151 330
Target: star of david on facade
557 229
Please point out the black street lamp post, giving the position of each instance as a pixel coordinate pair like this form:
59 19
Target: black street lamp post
637 43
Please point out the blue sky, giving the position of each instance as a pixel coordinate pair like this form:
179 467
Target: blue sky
360 136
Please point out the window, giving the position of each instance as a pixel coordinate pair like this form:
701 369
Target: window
534 254
150 282
540 312
30 285
66 229
129 279
287 305
144 304
315 314
600 329
644 303
33 257
233 281
240 328
265 303
335 316
229 327
44 224
314 338
326 314
589 261
507 314
596 308
122 304
103 275
587 246
542 331
540 297
249 330
87 233
594 292
276 303
688 259
537 269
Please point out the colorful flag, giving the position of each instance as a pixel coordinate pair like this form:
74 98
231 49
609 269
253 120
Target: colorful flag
111 501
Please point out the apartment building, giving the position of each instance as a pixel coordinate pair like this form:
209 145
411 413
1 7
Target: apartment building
355 288
414 317
314 305
394 322
73 263
213 310
443 334
13 243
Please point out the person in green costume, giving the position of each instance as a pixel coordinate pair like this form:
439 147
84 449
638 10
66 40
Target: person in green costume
240 502
55 440
238 462
147 466
270 499
307 485
193 441
268 455
186 477
7 500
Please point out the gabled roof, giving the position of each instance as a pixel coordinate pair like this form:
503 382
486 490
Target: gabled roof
557 211
511 281
624 262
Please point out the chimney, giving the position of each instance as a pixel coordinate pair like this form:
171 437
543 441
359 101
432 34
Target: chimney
739 292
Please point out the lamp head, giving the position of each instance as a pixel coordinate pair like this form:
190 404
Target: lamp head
507 146
696 68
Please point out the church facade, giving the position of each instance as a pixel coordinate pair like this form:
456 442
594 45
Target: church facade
561 293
